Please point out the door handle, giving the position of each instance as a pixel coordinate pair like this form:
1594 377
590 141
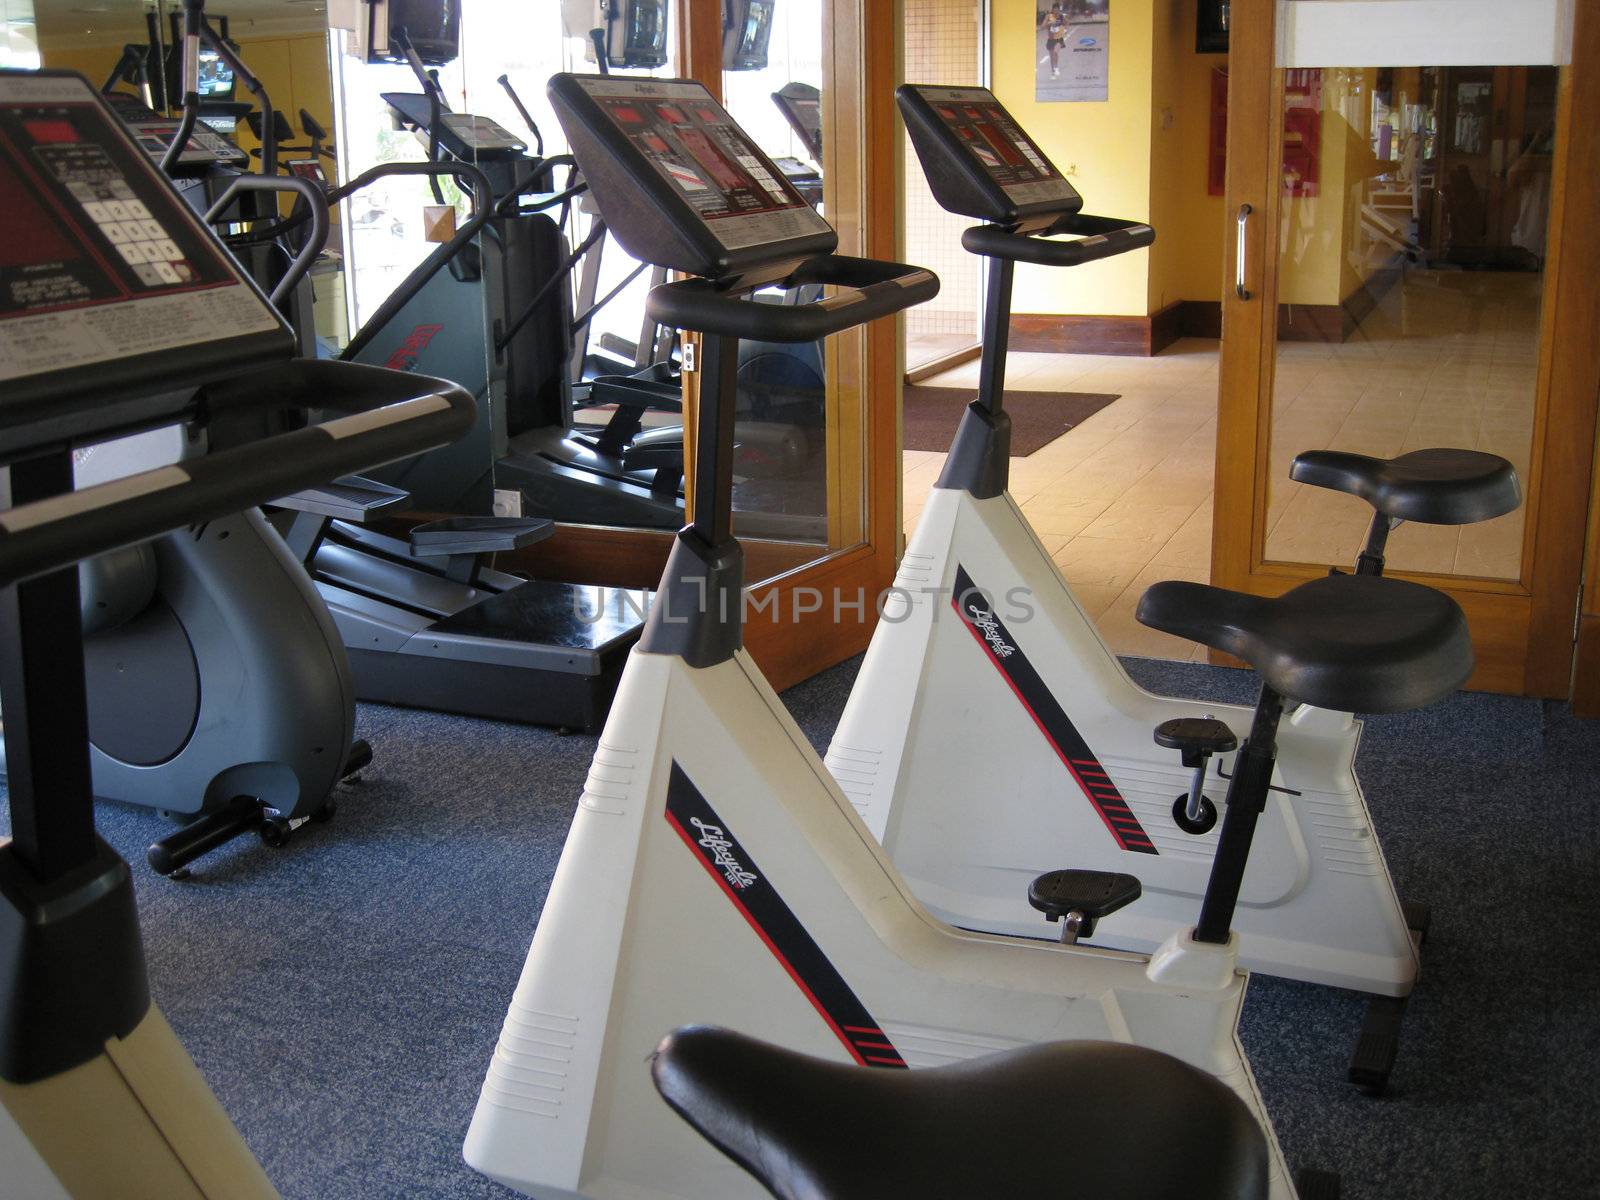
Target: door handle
1238 275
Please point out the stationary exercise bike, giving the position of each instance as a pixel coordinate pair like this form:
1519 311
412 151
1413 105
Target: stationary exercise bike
991 732
715 872
98 1100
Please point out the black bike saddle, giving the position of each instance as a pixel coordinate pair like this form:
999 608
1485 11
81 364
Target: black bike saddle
1094 1120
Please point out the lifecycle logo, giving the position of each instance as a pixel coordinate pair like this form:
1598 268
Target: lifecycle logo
690 814
714 839
982 618
410 351
1069 744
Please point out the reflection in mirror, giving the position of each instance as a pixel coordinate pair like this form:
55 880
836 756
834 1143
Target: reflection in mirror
1411 268
542 315
265 51
944 44
797 478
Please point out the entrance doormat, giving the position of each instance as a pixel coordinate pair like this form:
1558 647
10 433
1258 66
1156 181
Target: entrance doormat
1037 418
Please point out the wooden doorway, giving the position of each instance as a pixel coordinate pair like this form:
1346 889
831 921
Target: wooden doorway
1416 256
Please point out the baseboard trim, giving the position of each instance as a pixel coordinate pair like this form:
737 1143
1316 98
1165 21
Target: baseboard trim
943 363
1144 336
1052 333
1138 337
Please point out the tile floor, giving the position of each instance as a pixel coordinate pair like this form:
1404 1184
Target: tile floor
1125 499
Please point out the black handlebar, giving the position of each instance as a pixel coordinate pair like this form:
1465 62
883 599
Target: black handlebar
382 416
189 57
317 202
868 289
1098 237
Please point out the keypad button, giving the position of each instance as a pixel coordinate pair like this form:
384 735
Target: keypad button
121 190
116 210
137 210
166 251
116 233
133 252
151 231
148 275
82 192
166 271
97 211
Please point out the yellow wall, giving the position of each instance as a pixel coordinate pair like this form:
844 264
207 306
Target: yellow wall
1109 143
295 73
293 69
1186 262
93 62
1130 161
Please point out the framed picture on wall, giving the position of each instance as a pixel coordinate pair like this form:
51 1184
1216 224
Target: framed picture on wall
1072 50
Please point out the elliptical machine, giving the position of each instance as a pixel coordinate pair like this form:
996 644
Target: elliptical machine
98 1100
219 692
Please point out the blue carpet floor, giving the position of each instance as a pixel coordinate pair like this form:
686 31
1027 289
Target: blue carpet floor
343 995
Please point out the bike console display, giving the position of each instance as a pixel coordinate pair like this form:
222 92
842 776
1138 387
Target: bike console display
978 160
679 184
104 272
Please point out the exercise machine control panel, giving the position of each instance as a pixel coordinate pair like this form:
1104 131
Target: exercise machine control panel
689 189
801 106
467 137
978 160
205 149
103 270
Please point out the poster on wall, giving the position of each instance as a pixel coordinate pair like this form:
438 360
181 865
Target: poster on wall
1072 42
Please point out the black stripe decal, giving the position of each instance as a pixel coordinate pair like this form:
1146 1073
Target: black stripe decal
774 922
977 613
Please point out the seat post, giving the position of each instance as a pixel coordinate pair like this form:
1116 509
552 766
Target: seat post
979 461
996 336
1370 561
697 613
1247 799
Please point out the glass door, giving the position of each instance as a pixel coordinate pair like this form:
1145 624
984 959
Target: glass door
1399 230
813 80
945 43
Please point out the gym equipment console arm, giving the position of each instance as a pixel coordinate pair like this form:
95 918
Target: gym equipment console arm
317 203
1099 237
380 413
867 289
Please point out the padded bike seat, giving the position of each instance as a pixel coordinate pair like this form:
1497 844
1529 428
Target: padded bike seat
1087 1119
1351 643
1437 487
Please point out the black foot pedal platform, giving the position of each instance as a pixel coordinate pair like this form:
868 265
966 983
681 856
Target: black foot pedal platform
1379 1043
1316 1185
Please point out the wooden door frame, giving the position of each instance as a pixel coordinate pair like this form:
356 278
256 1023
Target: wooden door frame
860 45
1524 628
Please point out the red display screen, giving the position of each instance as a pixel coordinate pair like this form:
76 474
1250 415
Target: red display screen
29 236
51 133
